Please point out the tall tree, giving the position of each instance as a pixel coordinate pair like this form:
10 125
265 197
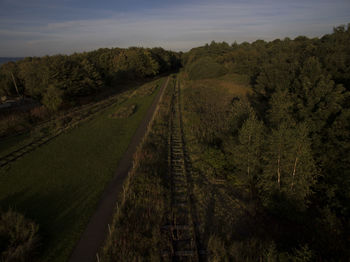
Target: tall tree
280 108
10 83
247 157
289 167
317 96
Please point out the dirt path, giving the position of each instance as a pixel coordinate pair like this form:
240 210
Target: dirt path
96 231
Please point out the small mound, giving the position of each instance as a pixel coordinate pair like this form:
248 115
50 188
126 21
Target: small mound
145 90
205 67
125 112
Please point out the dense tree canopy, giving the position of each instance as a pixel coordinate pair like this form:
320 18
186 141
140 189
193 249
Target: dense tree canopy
290 142
69 77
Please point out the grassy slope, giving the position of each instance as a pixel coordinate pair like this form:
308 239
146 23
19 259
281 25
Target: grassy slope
205 67
59 184
9 144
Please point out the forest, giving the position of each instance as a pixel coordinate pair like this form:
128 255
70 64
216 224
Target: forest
265 128
62 78
282 150
61 82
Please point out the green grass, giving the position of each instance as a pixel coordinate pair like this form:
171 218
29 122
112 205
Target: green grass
59 184
7 145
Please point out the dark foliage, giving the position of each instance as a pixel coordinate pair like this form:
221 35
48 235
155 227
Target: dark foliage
62 79
288 145
19 238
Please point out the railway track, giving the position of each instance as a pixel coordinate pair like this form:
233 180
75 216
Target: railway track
181 225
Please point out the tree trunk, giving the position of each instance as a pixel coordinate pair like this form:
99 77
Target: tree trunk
14 82
295 166
248 169
279 169
294 171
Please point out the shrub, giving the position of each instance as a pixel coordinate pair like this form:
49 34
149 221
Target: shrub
53 98
18 237
39 113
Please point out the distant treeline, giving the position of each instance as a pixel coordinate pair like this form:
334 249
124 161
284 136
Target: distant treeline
4 60
289 143
62 78
331 52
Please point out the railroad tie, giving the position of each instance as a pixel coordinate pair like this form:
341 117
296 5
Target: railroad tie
181 226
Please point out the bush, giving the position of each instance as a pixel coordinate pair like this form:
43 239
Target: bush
205 67
125 112
53 98
18 237
39 113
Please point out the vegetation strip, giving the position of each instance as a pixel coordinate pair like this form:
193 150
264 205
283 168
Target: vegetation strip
97 228
135 233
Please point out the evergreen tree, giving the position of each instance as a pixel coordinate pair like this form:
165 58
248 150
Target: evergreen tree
281 108
289 167
248 151
317 96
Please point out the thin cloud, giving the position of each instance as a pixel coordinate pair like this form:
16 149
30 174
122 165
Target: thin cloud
180 27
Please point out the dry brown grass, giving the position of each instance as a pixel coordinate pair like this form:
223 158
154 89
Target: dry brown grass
234 84
39 112
235 89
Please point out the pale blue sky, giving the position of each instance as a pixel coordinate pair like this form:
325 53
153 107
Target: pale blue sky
40 27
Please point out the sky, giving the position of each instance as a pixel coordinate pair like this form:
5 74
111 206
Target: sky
47 27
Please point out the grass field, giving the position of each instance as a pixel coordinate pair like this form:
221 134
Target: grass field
59 184
7 145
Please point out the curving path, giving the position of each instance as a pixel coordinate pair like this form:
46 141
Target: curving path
97 229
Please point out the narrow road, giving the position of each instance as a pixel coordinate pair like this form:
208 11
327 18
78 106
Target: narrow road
97 229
